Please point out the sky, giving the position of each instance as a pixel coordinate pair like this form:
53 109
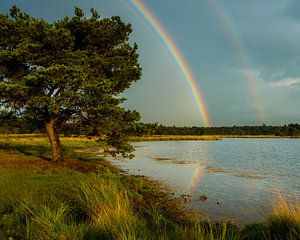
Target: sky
244 57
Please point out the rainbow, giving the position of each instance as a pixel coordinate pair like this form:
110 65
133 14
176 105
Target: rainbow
174 52
252 81
196 178
237 42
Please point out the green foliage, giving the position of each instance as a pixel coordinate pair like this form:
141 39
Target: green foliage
69 72
10 122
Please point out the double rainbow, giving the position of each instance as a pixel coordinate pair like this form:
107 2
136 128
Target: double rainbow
237 41
174 52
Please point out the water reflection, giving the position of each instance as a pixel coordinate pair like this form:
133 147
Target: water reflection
201 164
238 176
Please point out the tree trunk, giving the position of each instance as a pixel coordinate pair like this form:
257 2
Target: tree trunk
56 150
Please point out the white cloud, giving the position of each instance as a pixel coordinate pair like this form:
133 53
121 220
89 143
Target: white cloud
287 83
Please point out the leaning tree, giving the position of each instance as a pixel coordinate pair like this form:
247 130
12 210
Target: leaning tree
70 71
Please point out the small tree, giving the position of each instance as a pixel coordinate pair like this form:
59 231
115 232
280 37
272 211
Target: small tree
68 71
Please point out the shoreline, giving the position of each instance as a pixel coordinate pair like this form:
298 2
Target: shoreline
153 137
200 137
117 204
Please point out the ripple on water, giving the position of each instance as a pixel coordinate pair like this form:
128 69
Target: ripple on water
240 174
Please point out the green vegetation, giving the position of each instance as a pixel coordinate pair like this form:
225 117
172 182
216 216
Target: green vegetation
68 72
84 197
148 132
292 130
65 78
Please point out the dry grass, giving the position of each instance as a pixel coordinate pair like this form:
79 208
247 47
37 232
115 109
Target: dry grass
35 139
284 222
28 152
255 136
174 137
11 160
199 137
109 207
284 208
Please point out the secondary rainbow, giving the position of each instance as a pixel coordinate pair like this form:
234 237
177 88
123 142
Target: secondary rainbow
174 52
237 42
252 81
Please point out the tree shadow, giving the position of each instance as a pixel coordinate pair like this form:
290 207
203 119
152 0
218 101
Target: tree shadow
44 153
28 150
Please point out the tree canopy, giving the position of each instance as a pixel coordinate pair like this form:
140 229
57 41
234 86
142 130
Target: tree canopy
69 71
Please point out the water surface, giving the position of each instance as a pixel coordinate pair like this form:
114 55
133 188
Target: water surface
239 176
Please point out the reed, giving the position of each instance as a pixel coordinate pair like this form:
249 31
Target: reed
108 207
284 222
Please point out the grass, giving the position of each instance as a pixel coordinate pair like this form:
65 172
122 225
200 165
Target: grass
284 223
256 136
86 198
174 137
199 137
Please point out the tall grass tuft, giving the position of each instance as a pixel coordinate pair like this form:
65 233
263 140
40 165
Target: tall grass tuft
205 230
36 220
106 203
284 222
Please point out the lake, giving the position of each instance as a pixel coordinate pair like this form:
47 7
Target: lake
238 176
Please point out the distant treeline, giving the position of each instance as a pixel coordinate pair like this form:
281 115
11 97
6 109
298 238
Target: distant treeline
157 129
12 123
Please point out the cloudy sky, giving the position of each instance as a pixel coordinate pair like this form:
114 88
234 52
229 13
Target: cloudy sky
244 55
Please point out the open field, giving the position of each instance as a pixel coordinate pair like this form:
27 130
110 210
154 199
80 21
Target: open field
86 198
